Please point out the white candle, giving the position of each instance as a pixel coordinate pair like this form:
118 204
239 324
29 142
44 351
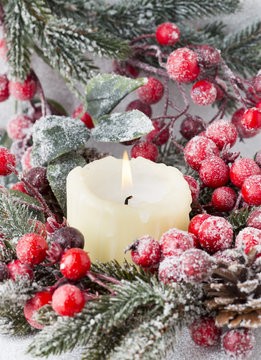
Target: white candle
95 204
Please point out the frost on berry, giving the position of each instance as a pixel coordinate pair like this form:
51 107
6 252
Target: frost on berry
23 90
198 149
175 239
145 149
75 263
238 343
242 169
196 222
19 127
4 88
67 300
204 332
251 119
196 265
209 56
191 126
151 92
193 186
222 132
31 249
17 269
215 233
248 238
26 159
254 219
182 65
34 304
7 160
243 132
145 251
223 198
167 34
214 172
169 270
3 49
251 190
203 93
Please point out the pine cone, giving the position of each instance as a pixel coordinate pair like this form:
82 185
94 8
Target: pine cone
234 290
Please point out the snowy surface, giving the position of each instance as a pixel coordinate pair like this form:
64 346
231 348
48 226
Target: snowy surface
55 88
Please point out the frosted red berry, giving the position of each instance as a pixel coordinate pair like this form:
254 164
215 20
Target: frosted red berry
162 138
17 269
203 93
6 161
182 65
196 265
248 238
139 105
167 34
215 233
209 56
37 177
169 270
84 116
75 263
145 251
191 126
238 343
26 159
23 90
31 249
242 169
204 332
4 88
145 149
243 132
223 198
254 219
68 300
175 239
196 222
19 186
214 172
198 149
251 190
222 132
251 119
193 186
19 127
3 49
34 304
68 237
151 92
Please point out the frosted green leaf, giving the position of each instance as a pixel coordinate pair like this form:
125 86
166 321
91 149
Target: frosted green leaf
105 91
119 127
54 136
57 172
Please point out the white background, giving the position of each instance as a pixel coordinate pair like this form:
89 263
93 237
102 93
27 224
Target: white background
55 88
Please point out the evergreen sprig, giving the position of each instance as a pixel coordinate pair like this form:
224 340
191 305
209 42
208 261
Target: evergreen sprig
13 322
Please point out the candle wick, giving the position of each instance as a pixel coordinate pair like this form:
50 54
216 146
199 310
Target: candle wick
126 202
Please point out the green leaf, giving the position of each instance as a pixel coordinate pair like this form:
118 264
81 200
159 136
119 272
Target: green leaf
5 141
119 127
57 135
105 91
57 172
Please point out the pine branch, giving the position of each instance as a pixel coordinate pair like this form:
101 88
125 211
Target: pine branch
13 322
238 219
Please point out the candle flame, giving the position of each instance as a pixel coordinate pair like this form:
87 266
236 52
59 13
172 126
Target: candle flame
126 179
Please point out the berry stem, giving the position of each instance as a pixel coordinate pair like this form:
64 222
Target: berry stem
32 206
93 277
142 37
148 68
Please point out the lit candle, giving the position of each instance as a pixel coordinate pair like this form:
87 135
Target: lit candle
97 205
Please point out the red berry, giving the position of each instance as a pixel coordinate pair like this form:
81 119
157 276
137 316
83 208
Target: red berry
191 126
248 238
223 198
67 237
151 92
84 116
196 222
34 304
251 190
175 239
162 138
169 270
167 34
243 132
26 159
23 90
193 186
39 228
75 263
227 256
238 343
222 132
3 49
6 160
20 187
19 126
37 177
139 105
214 172
203 93
209 56
31 249
145 149
251 119
67 300
196 265
204 332
242 169
215 234
145 251
198 149
17 269
254 219
4 88
182 65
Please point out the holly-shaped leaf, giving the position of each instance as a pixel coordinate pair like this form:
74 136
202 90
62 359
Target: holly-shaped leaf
57 172
54 136
119 127
105 91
